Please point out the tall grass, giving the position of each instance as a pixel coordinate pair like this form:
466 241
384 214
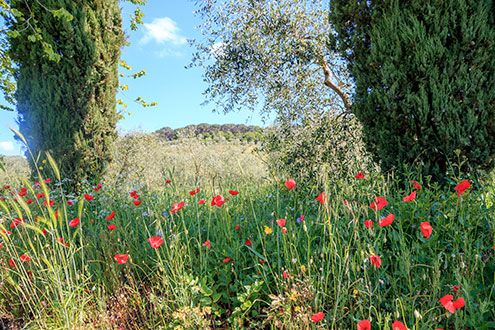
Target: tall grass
321 264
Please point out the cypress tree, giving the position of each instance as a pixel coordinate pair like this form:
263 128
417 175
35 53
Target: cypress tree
68 107
424 75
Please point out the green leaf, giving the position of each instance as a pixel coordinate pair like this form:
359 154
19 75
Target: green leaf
63 14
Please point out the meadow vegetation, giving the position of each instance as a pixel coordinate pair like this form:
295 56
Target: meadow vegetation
188 234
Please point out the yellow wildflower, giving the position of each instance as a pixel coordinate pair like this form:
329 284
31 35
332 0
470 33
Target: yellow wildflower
268 230
303 268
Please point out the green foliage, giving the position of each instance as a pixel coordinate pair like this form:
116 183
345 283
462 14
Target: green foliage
67 106
424 80
322 147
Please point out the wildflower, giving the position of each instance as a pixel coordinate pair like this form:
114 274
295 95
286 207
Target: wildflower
29 201
461 187
360 175
375 261
136 202
321 198
446 302
155 242
285 275
364 325
207 243
290 184
268 230
456 288
318 317
11 262
111 227
218 200
50 202
88 197
176 207
168 181
110 217
201 201
300 219
426 229
74 222
397 325
303 268
70 203
25 258
48 180
280 222
248 243
233 192
387 220
368 223
193 192
237 227
6 232
40 195
284 230
226 260
44 231
410 197
379 203
121 258
416 184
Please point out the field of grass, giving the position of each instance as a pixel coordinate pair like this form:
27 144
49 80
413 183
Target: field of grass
149 250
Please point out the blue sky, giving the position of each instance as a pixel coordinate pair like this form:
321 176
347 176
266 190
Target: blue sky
160 48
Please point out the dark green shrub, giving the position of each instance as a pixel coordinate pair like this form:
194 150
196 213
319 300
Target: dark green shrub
68 107
424 76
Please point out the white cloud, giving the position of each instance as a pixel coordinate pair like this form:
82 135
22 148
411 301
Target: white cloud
7 146
162 30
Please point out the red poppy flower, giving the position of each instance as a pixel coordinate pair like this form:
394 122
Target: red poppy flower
11 262
318 317
461 187
397 325
416 184
1 245
48 180
88 197
321 198
136 202
226 260
37 184
262 261
16 222
133 193
459 303
44 231
379 203
284 230
218 200
446 302
29 201
25 258
285 275
46 204
410 197
248 243
96 189
6 232
201 201
110 217
70 203
290 184
22 193
364 325
387 220
280 222
233 192
40 195
155 241
426 229
111 227
121 258
360 175
369 223
176 207
346 202
6 187
207 243
91 220
74 222
194 192
375 261
168 181
456 288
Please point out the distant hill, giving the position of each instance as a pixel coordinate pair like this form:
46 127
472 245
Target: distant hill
205 130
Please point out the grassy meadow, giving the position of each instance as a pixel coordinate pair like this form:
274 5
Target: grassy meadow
189 234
